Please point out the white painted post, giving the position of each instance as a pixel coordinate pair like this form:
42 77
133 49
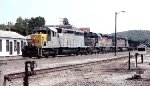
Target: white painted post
2 73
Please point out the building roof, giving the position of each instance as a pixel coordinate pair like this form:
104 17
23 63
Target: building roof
28 37
10 34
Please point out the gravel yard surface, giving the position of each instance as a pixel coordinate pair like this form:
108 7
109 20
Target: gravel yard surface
113 73
104 74
15 66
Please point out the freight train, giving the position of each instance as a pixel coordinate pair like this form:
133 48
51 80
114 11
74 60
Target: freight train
55 40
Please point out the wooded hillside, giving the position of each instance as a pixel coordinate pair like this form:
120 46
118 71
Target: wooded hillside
143 36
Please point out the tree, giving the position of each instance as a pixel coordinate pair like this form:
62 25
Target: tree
36 22
21 26
26 23
6 26
24 26
65 21
3 27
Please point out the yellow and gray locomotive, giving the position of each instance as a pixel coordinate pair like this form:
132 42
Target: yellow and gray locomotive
55 40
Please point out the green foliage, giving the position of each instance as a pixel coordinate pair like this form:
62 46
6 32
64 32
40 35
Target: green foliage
21 26
3 26
65 21
142 36
24 26
36 22
7 26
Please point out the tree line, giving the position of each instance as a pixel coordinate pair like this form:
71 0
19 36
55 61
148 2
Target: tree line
136 36
23 26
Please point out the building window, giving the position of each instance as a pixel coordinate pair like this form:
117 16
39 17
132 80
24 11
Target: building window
7 45
21 44
15 45
0 45
18 47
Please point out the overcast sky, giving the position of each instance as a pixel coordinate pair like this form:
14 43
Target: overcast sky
99 15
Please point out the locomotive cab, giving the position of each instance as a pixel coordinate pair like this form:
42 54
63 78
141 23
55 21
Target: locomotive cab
43 39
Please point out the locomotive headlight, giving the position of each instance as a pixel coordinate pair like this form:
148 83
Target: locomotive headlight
34 39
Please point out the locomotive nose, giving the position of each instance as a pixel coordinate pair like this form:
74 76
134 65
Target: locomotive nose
33 41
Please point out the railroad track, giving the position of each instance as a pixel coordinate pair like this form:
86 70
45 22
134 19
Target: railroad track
48 57
9 77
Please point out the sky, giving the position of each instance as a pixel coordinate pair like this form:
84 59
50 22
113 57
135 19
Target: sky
99 15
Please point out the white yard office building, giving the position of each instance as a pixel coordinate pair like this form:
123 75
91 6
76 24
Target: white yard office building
11 43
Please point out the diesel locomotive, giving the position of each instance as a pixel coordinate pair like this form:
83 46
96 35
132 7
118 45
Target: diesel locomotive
55 40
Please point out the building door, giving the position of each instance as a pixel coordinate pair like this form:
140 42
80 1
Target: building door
11 49
18 47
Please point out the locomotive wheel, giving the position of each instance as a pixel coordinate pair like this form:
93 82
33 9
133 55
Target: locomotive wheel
46 56
81 53
30 56
39 56
53 55
77 54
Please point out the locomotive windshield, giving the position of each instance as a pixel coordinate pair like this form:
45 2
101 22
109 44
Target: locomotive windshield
41 32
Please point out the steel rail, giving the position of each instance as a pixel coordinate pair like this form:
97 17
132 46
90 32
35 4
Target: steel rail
9 77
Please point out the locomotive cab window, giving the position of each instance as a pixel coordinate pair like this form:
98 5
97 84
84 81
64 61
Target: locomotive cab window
41 31
53 34
49 36
59 30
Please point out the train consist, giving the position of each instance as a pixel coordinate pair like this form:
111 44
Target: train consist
64 39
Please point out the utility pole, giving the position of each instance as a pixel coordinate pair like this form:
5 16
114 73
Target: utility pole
136 54
129 62
116 30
